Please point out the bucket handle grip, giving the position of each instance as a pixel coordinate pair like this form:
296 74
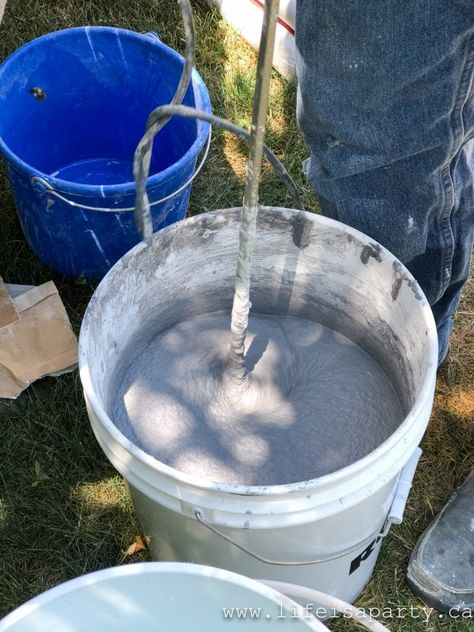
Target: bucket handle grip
395 516
43 186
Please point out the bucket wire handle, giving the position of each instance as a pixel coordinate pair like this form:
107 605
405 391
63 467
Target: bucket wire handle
141 158
198 514
41 183
394 516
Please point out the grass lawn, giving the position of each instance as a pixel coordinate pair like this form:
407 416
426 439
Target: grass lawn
63 509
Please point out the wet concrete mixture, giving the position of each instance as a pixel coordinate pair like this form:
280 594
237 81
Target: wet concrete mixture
313 403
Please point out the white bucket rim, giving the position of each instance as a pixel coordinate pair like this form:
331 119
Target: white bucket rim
350 470
151 568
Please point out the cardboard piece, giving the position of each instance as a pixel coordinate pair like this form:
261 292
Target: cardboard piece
38 339
8 313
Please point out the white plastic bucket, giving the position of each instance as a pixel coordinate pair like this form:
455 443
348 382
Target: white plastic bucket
158 597
323 533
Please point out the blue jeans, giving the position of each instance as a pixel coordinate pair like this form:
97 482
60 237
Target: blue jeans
386 105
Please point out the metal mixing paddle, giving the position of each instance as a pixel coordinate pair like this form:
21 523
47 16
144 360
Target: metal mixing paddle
248 226
235 365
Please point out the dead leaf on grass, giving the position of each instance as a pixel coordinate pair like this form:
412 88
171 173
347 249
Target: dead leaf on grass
136 546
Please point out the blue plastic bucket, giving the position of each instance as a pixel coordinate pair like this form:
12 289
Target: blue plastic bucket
74 105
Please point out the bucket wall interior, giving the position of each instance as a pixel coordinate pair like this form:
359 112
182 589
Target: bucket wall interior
84 95
304 266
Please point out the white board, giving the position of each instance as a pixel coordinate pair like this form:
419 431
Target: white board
246 16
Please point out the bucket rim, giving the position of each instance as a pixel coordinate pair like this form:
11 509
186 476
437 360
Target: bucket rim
151 569
121 189
327 480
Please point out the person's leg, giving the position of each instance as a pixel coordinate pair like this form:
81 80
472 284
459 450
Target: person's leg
385 104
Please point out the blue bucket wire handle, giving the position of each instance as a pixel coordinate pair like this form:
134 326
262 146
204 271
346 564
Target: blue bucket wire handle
43 187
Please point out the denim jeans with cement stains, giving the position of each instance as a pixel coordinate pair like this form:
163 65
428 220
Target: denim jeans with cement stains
386 105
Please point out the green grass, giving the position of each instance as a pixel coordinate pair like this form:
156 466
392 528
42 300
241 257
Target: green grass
63 509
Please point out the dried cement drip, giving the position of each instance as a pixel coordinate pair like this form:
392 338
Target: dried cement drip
315 402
